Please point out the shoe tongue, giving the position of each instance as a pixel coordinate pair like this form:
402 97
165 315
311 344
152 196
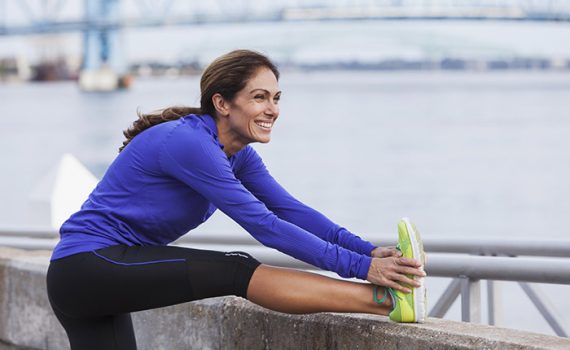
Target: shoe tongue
394 297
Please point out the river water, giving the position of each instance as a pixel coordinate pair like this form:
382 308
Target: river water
464 154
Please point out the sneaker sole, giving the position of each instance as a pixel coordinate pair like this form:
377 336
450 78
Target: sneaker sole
420 292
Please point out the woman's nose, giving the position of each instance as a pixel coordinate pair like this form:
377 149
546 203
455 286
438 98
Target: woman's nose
272 108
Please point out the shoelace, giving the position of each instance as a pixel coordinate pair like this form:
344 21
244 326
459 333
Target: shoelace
393 295
380 301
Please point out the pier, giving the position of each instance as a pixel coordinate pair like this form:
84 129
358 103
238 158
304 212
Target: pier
26 322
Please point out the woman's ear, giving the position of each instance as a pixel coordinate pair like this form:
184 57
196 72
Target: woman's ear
221 105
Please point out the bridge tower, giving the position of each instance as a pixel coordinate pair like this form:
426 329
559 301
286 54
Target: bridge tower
104 66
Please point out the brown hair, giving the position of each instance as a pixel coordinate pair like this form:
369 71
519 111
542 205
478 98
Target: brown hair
226 75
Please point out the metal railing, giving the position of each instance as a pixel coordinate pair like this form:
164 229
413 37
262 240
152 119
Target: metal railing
466 261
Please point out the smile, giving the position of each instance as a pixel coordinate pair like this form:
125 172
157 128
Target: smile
264 125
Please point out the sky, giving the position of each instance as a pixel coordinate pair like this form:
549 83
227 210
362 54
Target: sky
302 42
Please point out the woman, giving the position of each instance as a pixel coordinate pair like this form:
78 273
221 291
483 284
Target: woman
173 171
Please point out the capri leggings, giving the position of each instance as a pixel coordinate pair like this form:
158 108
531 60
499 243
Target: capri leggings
93 293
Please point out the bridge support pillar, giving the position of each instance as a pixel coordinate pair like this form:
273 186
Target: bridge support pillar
103 66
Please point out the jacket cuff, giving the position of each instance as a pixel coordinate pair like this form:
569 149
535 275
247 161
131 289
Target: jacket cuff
364 267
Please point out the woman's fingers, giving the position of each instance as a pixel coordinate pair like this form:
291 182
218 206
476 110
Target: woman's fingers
411 271
384 252
399 274
407 280
398 286
390 251
408 262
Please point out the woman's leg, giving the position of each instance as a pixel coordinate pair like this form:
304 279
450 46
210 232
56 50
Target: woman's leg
293 291
93 293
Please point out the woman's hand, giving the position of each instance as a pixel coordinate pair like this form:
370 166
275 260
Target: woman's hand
390 270
384 252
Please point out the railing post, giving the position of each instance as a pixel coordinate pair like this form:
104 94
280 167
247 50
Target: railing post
493 303
470 300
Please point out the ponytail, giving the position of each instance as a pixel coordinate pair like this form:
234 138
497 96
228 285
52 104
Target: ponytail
145 121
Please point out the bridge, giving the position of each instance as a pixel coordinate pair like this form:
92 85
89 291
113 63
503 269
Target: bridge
21 17
101 21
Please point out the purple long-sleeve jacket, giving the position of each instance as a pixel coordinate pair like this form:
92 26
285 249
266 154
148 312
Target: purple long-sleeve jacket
173 176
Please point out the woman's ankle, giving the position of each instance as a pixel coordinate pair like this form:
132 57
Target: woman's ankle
381 296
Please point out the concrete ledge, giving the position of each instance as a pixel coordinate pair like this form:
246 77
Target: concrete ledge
26 322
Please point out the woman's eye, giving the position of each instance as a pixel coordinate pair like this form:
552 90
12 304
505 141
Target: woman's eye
259 97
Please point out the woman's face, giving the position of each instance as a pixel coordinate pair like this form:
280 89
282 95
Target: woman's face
255 108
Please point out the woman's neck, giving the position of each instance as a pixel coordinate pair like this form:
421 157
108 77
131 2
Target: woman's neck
231 141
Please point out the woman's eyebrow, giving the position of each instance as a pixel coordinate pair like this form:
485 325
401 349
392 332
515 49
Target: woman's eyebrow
264 90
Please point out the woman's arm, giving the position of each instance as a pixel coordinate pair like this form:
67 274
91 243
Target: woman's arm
255 177
195 159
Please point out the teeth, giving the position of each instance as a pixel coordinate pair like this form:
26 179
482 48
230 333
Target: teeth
264 124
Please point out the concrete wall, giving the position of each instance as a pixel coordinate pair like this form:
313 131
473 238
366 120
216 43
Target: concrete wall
26 322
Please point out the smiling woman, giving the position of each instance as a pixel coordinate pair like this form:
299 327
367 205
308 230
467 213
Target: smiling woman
174 170
250 116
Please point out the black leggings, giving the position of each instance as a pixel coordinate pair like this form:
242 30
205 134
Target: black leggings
93 293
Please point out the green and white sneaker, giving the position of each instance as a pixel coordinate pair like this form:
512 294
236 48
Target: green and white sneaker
410 307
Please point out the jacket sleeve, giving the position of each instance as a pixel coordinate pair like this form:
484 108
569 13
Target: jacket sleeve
195 158
255 177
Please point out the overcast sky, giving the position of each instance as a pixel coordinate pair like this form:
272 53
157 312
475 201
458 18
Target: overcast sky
306 42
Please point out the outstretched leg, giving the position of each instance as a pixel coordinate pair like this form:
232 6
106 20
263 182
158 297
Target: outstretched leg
92 293
297 292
